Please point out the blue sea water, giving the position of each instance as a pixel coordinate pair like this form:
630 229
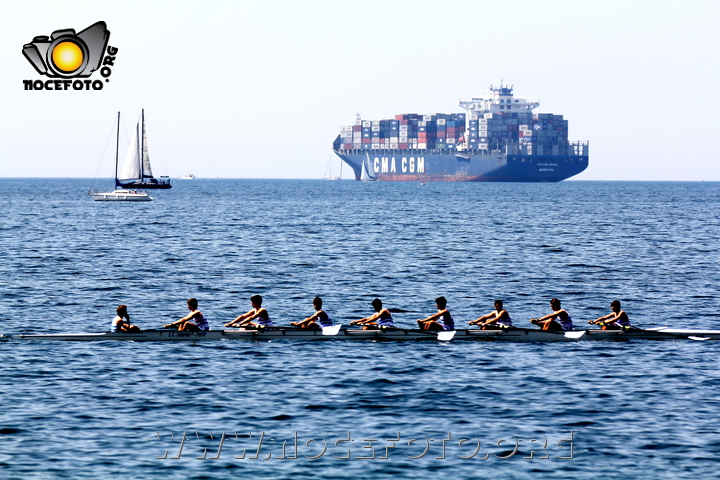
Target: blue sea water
638 409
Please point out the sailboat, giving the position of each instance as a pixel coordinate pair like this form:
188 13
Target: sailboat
119 194
329 176
136 171
366 169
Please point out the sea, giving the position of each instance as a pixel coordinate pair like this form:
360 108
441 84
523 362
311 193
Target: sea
339 409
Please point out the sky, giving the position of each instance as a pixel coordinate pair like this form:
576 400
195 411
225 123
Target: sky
260 89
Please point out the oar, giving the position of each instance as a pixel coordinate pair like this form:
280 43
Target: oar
260 328
445 335
442 335
331 330
574 334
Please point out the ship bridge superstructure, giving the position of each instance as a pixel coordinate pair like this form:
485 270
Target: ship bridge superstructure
498 100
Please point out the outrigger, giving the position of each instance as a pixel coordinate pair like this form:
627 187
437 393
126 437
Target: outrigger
512 334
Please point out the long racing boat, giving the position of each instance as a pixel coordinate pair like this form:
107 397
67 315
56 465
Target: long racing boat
512 334
270 333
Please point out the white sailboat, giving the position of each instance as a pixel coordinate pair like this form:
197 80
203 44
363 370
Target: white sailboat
136 171
119 194
366 169
329 176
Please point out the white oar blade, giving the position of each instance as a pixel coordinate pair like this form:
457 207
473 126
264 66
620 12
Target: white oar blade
692 337
331 331
446 336
575 334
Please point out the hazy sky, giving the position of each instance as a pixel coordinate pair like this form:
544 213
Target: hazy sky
260 89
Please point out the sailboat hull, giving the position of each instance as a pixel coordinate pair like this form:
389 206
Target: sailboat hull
121 196
154 183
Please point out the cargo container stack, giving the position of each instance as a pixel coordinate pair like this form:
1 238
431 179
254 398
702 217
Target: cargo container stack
549 135
406 132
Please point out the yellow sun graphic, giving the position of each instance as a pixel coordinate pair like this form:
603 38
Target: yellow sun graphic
67 56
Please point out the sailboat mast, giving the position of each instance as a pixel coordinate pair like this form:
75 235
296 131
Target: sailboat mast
142 147
117 147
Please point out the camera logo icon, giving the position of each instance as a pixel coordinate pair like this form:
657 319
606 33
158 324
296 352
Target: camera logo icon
66 54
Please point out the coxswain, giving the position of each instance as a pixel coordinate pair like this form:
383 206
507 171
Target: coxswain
317 320
556 321
382 318
257 313
442 320
121 323
499 318
193 322
617 320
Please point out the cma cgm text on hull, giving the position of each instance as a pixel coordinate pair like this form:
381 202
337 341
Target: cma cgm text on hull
499 139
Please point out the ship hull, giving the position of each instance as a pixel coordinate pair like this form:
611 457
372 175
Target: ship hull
158 184
436 166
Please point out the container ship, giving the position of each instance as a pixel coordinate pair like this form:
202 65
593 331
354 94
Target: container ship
499 139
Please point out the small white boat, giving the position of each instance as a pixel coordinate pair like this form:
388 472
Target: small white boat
119 195
188 176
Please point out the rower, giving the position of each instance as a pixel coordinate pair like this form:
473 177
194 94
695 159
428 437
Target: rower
499 318
195 321
317 320
442 320
380 319
556 321
256 313
618 320
121 323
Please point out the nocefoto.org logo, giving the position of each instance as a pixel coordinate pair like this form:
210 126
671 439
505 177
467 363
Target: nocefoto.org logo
69 56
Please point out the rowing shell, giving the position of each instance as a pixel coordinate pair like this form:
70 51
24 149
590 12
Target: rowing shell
146 336
282 333
535 335
270 333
